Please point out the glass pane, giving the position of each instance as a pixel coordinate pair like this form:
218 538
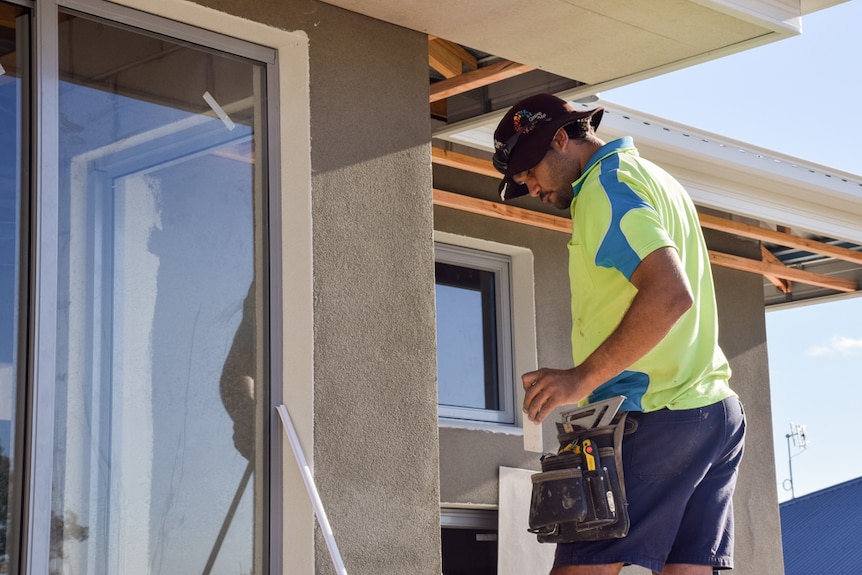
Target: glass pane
13 58
466 337
160 382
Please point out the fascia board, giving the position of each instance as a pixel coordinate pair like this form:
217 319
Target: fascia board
753 168
778 15
759 183
711 149
834 221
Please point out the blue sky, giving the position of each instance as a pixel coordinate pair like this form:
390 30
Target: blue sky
800 97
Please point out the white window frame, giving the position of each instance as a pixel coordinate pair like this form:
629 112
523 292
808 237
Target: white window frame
499 265
522 354
292 547
291 351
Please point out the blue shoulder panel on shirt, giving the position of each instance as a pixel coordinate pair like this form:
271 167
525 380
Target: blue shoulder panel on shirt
615 250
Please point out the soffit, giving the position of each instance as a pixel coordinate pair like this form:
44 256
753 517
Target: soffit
596 42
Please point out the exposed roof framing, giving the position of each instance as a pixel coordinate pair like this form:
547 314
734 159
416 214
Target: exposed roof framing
449 58
490 74
769 266
470 89
782 285
781 238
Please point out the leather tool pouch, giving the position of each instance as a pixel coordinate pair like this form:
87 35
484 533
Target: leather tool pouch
580 493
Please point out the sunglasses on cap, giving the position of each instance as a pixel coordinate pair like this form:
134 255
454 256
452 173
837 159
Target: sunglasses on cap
503 150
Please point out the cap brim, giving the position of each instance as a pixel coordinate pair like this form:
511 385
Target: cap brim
510 189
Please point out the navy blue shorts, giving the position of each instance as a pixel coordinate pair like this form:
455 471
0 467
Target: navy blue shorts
680 472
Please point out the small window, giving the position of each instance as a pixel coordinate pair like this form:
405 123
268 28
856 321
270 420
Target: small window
474 335
468 541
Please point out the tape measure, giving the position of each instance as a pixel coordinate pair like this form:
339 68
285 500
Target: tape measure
589 454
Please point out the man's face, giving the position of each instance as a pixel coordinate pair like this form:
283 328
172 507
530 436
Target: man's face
551 179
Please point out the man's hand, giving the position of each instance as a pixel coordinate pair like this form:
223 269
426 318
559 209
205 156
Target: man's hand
549 388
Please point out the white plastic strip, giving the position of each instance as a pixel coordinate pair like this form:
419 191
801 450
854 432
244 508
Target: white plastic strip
532 436
312 489
219 111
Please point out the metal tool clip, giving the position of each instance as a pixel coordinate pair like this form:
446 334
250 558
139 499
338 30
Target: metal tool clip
596 414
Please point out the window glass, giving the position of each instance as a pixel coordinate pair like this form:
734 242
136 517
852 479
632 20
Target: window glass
474 350
13 56
160 331
466 337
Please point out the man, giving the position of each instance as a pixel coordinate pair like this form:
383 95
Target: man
644 325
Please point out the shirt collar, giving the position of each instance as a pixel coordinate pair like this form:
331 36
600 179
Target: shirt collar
613 147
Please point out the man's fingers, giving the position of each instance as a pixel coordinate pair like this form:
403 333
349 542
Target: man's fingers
534 402
530 379
538 408
545 389
538 393
532 389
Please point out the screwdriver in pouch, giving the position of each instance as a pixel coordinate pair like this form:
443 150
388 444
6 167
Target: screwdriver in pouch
597 482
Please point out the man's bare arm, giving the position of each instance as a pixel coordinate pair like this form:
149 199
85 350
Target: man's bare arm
663 296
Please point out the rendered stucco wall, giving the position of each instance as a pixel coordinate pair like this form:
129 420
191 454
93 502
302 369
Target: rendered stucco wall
375 381
743 339
375 424
469 459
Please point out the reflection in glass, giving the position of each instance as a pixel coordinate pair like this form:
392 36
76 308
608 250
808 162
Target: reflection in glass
13 56
466 337
158 388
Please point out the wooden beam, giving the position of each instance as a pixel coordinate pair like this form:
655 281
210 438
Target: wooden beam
782 285
449 58
502 211
564 225
464 162
780 238
476 79
781 271
440 110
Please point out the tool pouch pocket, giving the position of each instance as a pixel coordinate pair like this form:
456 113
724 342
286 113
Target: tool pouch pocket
580 493
558 497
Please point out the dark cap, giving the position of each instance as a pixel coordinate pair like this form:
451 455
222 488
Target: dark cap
525 133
